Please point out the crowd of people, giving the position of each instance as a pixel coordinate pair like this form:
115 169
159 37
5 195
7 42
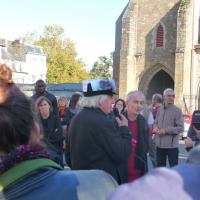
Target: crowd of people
92 140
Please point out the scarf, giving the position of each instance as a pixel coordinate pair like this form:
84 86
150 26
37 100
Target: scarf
62 111
22 153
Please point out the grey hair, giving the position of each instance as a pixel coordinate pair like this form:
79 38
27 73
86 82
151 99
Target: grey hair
157 97
134 93
93 101
168 90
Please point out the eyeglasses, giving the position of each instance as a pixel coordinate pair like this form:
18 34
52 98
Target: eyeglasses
170 95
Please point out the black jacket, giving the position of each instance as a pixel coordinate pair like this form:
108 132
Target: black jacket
193 135
142 146
52 131
95 142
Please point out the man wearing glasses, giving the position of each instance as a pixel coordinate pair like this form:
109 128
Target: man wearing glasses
168 125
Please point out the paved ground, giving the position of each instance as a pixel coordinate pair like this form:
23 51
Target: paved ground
183 154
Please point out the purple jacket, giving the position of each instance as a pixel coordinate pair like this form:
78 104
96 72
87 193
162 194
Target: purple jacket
158 184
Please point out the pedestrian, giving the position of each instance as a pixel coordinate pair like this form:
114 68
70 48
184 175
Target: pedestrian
26 170
158 184
40 90
156 103
167 127
193 136
72 110
52 128
190 173
120 105
63 105
147 114
95 141
137 162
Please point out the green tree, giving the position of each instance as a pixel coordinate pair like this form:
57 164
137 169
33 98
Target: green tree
62 62
102 67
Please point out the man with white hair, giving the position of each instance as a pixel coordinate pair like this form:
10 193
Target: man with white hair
95 141
168 125
137 163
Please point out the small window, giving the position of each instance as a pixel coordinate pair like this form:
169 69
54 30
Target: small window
160 36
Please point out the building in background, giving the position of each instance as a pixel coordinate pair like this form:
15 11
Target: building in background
157 46
27 62
63 89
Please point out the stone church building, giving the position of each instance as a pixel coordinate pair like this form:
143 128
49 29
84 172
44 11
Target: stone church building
157 46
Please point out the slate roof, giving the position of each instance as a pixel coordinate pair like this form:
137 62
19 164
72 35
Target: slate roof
17 51
65 87
54 87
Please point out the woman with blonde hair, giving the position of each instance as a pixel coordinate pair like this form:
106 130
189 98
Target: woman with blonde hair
63 105
51 125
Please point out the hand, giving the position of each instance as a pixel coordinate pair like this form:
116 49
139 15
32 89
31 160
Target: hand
162 131
188 142
123 121
155 130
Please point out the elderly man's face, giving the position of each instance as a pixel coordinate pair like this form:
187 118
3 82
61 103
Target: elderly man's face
106 105
135 104
169 98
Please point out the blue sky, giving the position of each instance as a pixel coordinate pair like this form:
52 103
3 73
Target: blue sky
90 23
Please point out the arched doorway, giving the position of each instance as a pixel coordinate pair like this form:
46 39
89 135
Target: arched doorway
159 83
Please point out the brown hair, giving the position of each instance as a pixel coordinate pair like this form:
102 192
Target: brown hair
123 102
74 100
16 113
40 100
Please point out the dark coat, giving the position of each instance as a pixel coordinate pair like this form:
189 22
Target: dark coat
142 146
95 142
52 131
193 135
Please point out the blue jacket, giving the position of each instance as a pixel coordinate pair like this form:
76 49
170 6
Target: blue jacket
190 173
48 182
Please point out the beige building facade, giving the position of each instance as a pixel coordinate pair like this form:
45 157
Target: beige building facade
156 47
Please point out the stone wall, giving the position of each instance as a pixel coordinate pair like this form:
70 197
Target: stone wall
137 59
137 51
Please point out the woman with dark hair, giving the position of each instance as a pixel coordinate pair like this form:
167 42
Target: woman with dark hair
120 105
52 128
73 108
26 172
70 113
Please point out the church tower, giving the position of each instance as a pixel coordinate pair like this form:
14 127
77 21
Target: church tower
155 49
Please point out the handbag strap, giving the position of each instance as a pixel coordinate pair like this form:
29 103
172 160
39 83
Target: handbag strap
23 169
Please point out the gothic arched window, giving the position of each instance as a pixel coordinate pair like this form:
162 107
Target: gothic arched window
160 36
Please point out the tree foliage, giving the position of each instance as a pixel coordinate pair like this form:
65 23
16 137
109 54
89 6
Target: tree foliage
102 68
62 62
